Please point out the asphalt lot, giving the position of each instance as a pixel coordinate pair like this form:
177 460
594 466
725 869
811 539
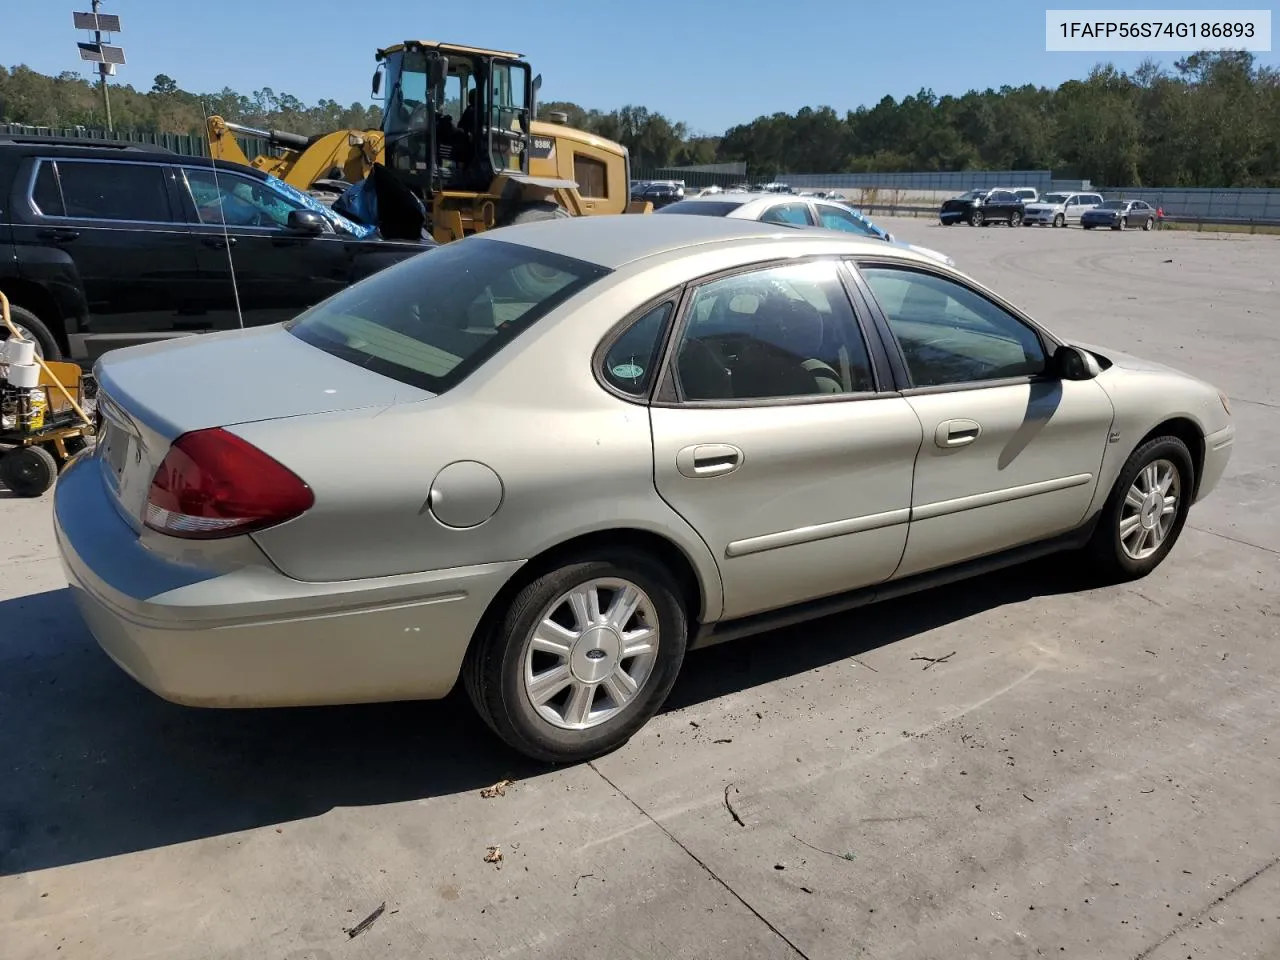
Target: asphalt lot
1093 773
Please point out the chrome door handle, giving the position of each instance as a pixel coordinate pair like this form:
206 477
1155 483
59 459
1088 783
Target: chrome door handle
708 460
956 433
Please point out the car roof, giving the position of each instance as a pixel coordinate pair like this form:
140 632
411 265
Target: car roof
616 240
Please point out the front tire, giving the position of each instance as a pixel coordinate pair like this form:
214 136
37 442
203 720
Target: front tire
1059 221
976 219
534 212
1146 511
581 658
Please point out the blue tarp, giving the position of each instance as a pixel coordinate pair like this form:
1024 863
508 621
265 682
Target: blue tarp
361 231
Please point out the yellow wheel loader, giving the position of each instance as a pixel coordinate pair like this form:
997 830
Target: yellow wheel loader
458 130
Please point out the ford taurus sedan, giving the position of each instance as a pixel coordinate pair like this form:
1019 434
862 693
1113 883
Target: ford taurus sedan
554 458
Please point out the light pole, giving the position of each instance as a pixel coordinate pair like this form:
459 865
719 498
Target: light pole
107 57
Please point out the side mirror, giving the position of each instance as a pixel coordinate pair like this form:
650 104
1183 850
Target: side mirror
890 238
305 221
533 106
377 82
1072 363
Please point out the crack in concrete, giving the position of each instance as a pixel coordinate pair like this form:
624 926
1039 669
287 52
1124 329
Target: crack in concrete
1196 918
1243 543
700 862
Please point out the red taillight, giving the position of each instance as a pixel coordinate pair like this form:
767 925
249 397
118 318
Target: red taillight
213 484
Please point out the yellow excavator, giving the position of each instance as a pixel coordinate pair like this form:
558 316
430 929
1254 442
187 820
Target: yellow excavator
458 130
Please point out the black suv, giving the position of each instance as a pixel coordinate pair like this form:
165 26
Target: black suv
107 245
980 207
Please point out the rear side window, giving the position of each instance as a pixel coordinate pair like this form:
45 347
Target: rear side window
112 191
433 319
632 358
703 208
790 214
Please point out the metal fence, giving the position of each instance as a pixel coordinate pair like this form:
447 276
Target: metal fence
188 145
935 181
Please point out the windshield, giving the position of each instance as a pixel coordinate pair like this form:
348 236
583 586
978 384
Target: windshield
972 195
406 94
703 208
1054 198
1115 204
434 318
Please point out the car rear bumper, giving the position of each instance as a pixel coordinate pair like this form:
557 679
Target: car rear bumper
1217 454
252 637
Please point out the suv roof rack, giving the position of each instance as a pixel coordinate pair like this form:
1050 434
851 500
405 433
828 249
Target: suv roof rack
35 139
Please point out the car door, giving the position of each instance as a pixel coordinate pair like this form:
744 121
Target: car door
116 222
1072 208
239 225
1011 453
795 213
773 440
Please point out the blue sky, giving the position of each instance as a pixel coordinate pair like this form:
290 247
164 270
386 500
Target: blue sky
707 69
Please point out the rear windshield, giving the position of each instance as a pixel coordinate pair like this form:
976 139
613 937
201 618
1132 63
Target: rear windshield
433 319
704 208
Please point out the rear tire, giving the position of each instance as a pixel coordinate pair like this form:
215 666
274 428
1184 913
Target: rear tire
1148 224
500 667
28 323
1132 511
1015 218
28 471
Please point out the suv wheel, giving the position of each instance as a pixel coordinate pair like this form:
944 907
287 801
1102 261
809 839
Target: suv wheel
1059 220
581 658
31 328
1015 218
975 219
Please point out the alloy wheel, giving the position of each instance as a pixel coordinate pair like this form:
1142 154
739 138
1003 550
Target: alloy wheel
1150 509
591 653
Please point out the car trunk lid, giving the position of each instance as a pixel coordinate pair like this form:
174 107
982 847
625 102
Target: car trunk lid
149 396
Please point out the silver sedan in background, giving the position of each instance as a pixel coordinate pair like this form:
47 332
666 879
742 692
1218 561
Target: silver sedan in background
553 458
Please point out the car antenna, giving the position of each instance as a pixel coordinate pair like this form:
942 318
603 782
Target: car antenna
222 216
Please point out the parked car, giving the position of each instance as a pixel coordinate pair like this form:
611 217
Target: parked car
1120 215
1025 194
1059 209
615 439
106 245
793 211
981 207
660 193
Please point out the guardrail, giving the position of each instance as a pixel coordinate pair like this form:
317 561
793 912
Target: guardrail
1200 222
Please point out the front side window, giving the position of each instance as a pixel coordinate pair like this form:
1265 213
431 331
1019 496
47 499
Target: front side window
237 201
433 319
632 358
111 191
790 214
948 333
786 331
833 218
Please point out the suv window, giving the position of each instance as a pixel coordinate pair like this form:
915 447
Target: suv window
791 214
102 190
630 360
1002 196
431 321
950 334
1092 198
241 201
833 218
785 331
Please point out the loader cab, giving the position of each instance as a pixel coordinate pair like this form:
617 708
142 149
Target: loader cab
454 117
